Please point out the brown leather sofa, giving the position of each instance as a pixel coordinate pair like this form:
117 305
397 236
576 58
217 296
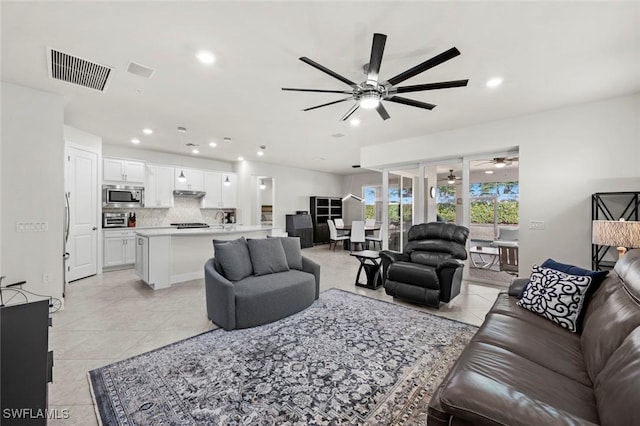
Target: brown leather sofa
522 369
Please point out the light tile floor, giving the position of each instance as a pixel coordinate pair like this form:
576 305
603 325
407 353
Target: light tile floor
114 316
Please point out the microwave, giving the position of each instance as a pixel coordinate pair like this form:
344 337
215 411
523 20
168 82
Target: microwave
117 196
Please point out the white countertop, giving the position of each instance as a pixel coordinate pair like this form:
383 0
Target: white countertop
213 230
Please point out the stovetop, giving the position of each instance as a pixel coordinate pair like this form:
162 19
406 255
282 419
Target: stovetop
190 225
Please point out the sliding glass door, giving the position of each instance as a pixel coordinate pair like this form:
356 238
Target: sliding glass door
400 201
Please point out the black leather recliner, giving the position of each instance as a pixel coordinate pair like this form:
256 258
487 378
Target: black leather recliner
429 270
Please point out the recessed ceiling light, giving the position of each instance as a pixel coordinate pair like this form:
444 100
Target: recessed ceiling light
205 57
494 82
260 153
195 151
227 140
213 144
147 131
489 172
355 122
135 141
240 158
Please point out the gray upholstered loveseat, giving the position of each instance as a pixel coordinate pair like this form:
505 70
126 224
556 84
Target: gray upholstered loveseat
249 284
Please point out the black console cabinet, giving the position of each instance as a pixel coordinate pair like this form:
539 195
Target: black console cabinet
322 210
25 363
299 225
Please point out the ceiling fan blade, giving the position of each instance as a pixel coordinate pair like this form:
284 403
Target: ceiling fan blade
377 49
410 102
432 86
429 63
329 103
328 71
350 112
316 90
383 112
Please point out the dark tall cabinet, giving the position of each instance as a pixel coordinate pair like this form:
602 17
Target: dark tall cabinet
299 225
25 362
611 206
323 209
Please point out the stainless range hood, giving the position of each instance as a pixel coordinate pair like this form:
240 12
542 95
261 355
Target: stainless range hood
187 193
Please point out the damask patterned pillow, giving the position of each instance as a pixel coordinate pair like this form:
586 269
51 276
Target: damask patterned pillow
556 295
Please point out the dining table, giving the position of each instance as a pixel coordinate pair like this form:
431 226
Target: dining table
346 227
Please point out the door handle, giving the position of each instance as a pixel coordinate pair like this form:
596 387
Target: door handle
94 228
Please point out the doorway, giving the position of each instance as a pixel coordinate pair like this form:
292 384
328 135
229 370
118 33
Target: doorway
265 196
81 222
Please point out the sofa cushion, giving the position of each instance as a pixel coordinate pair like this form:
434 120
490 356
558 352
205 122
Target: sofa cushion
292 251
233 257
267 298
616 387
492 385
267 256
611 315
556 296
552 347
414 274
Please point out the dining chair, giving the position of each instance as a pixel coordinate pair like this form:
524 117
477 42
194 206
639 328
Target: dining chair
368 223
374 238
339 222
333 235
357 234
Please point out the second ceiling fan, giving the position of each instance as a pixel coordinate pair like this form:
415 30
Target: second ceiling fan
372 91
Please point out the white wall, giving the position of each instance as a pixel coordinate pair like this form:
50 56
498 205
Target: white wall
32 187
158 157
565 155
293 188
353 209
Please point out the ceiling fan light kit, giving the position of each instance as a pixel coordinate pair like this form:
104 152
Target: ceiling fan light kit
370 93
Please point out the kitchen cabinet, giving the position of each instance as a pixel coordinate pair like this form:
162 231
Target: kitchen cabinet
128 172
119 248
194 181
158 187
142 258
219 195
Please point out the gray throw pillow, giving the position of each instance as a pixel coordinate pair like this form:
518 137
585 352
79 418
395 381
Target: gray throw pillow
292 251
233 257
267 256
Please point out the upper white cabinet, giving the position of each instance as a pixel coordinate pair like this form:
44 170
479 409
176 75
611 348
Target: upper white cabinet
212 187
219 195
158 188
123 171
194 180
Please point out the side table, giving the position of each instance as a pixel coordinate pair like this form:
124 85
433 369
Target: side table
369 261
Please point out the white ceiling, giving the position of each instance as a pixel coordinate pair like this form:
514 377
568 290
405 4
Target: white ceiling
550 54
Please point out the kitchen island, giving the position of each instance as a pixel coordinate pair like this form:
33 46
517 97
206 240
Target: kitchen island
166 256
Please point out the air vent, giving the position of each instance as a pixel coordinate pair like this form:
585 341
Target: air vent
356 166
140 70
76 70
191 144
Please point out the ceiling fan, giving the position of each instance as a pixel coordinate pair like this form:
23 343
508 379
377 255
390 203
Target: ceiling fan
372 91
500 162
451 179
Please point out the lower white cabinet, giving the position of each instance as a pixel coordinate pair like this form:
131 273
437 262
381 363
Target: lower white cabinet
142 258
119 248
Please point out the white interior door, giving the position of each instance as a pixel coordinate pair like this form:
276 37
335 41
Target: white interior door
82 190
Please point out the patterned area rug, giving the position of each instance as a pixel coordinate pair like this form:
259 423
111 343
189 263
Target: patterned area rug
347 359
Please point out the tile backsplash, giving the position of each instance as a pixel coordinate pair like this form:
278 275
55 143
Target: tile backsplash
185 209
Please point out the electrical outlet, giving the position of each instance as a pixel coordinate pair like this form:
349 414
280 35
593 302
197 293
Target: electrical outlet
46 277
536 225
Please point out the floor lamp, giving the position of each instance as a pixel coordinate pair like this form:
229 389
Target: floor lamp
621 234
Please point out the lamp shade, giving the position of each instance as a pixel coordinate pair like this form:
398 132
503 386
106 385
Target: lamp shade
616 233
